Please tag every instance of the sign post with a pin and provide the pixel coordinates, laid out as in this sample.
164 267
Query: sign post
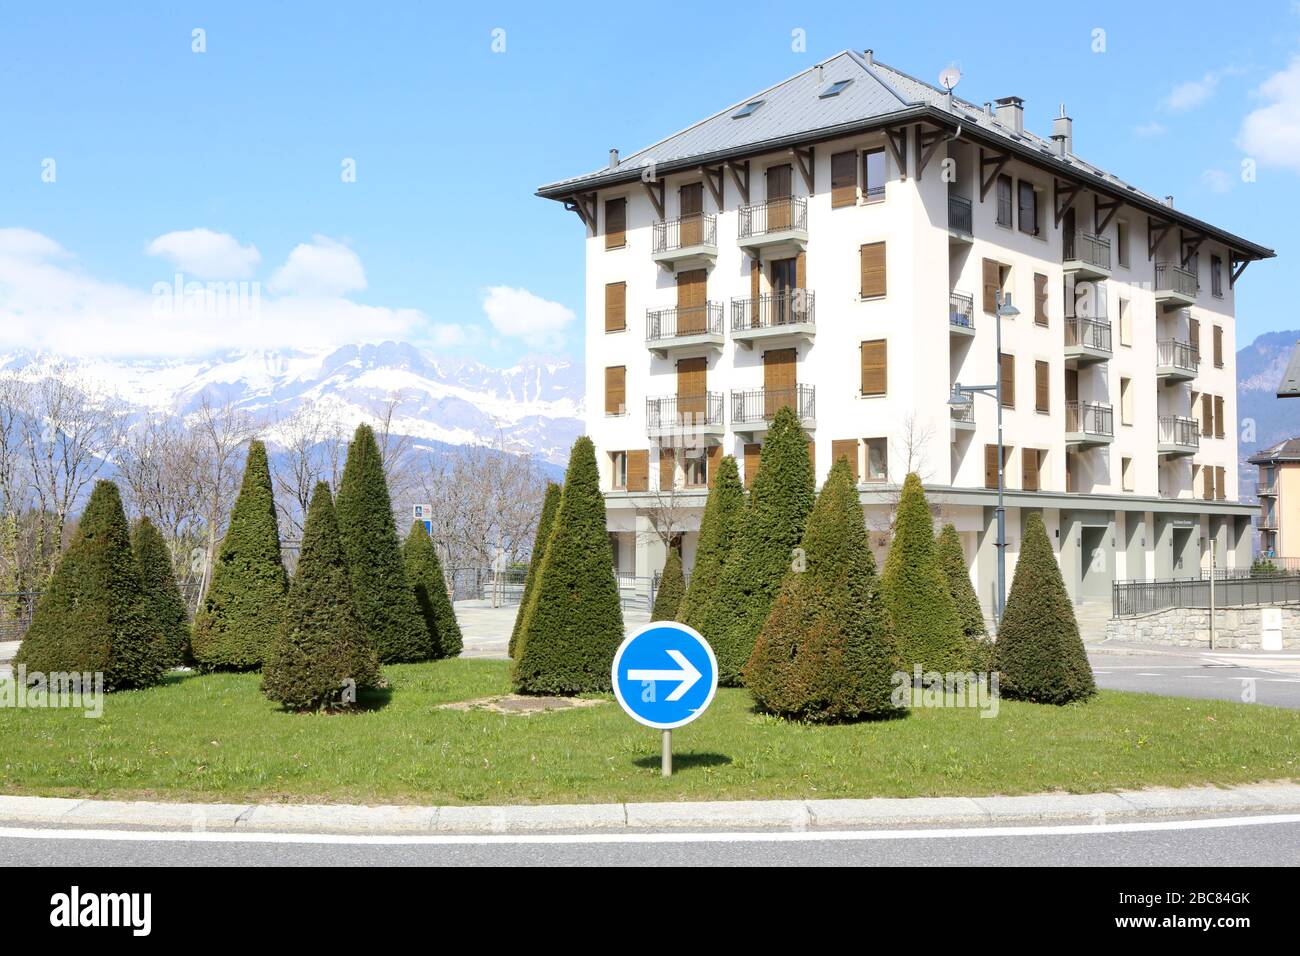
664 676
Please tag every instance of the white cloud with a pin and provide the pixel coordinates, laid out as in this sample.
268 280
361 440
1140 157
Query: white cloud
1189 95
1270 134
518 313
1216 180
205 254
322 267
1147 130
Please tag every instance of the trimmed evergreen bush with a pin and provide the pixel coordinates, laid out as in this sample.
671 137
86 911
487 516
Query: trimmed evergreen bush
920 606
424 571
240 615
322 644
825 652
1038 651
672 586
384 597
953 561
723 513
575 623
780 498
91 617
545 523
1264 568
162 597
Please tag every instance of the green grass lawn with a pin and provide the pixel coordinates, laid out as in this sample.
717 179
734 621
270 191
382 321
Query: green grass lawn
215 738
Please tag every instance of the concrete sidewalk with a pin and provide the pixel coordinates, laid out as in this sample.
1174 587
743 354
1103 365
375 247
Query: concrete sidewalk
789 815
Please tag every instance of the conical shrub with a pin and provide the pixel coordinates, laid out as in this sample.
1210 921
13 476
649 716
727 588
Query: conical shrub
780 498
383 595
545 524
424 571
672 586
723 513
1039 653
240 615
825 652
162 597
321 654
91 617
953 562
576 623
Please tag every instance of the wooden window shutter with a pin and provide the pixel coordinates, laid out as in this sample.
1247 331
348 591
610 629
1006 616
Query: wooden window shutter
875 367
1207 472
812 457
616 307
753 451
1042 387
1029 469
1207 415
1007 367
1194 333
1218 346
1218 416
755 290
801 271
1040 298
992 283
873 269
1220 489
991 466
846 448
616 390
844 179
667 468
638 470
714 458
615 223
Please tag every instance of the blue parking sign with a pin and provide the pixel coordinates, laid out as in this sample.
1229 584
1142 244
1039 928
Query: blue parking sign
665 674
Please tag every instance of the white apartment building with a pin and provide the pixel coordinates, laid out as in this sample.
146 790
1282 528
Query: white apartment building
835 243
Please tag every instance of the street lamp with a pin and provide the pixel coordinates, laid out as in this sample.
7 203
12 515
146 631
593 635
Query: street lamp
962 397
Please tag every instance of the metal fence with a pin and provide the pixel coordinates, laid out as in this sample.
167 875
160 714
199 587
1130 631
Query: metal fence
681 321
775 215
696 229
761 404
1086 248
959 214
506 588
1230 590
1174 278
791 307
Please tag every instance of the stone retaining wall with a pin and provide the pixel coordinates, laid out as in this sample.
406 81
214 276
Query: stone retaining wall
1190 627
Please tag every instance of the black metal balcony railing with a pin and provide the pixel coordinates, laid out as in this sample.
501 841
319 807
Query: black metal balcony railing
959 214
1089 333
1090 418
768 311
775 215
1088 249
662 324
1177 430
963 413
1170 353
683 411
693 230
1174 278
749 405
961 310
1269 490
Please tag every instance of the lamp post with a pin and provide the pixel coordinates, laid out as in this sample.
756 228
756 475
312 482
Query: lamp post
962 396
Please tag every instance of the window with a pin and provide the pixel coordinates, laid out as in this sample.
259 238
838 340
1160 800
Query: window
875 367
615 223
1031 466
996 278
1207 473
1207 416
618 459
1218 416
877 459
1007 365
1220 483
696 468
1125 324
1040 299
991 464
1042 387
1216 276
844 182
1218 346
873 270
1028 208
1004 201
1126 474
1194 334
1194 267
616 307
834 89
1126 401
873 173
616 390
747 110
1121 243
638 470
846 448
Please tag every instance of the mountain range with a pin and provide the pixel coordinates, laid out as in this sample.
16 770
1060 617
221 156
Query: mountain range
1259 411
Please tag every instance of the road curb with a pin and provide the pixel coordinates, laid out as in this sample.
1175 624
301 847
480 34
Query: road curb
789 815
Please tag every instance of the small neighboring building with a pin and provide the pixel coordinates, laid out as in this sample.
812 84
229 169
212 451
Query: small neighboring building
1279 498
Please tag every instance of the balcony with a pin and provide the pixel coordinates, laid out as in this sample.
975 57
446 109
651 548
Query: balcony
960 226
1176 287
1085 255
678 329
774 226
685 416
781 315
961 314
1087 341
1177 436
963 418
1176 361
1088 424
1267 491
686 242
1267 523
752 409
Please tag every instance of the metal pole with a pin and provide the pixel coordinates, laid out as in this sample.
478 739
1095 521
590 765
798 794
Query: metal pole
1212 575
1001 511
667 762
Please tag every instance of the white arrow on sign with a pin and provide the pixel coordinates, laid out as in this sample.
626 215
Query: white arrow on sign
688 675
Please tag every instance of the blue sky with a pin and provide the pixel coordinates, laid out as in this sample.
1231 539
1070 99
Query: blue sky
152 141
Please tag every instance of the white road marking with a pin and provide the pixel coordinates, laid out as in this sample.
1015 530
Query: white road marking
778 836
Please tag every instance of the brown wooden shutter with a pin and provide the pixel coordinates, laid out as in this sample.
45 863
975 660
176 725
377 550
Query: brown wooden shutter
1194 333
1008 371
801 271
992 283
1207 415
1029 465
692 303
875 367
755 290
667 468
844 179
615 223
753 451
1218 416
1040 298
846 448
779 380
991 466
873 269
616 307
692 386
1220 486
812 457
616 390
714 458
1218 346
1042 387
690 206
638 470
1207 474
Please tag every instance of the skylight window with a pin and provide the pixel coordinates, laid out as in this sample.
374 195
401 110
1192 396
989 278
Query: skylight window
747 110
835 89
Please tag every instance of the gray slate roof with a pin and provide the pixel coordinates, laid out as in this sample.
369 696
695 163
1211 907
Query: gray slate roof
1288 450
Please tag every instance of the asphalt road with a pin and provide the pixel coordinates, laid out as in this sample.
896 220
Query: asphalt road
1235 841
1271 678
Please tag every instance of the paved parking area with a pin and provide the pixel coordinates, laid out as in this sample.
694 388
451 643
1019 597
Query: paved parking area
1251 676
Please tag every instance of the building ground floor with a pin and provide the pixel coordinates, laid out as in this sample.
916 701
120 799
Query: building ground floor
1098 539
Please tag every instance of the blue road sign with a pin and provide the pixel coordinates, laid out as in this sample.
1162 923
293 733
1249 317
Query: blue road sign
665 674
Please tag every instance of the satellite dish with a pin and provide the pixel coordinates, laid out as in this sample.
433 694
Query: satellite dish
949 78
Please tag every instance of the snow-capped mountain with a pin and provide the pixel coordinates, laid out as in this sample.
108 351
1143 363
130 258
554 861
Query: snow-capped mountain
536 405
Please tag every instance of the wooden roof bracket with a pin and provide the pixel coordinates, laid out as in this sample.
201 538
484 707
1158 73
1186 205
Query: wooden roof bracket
897 139
1188 245
713 178
1110 206
1157 229
804 160
1064 193
742 185
584 204
927 144
1236 266
654 188
993 163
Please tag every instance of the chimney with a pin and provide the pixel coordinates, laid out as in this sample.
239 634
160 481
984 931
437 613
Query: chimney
1011 113
1063 133
613 159
988 109
869 56
817 74
1169 201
